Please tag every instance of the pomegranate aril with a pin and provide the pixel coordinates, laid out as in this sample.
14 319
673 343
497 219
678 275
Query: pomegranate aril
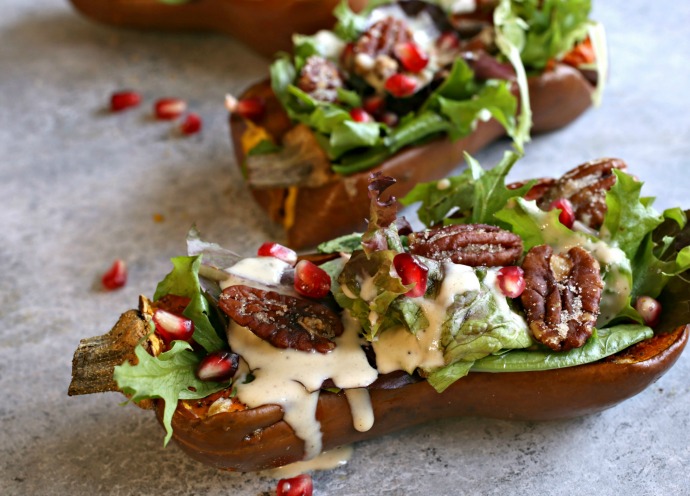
411 272
279 251
400 85
122 100
311 280
511 281
116 276
218 366
191 124
169 108
172 327
374 104
252 108
649 309
411 56
567 215
301 485
390 119
448 41
360 115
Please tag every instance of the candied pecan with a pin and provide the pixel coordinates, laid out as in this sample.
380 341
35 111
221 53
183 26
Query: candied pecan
382 37
469 244
284 321
562 295
537 190
585 186
320 78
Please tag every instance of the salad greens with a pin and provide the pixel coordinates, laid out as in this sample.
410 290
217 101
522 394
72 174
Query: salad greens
528 34
632 260
169 376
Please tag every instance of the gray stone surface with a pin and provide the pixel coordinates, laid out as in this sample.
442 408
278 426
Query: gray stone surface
80 187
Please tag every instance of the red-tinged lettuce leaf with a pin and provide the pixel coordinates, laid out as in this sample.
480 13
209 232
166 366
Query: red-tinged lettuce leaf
382 231
169 376
367 289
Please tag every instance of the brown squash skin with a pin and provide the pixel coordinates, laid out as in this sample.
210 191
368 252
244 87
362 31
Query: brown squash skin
258 438
341 206
264 25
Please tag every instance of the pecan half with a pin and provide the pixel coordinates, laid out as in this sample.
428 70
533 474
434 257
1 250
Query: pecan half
284 321
585 186
537 190
468 244
320 78
562 295
382 37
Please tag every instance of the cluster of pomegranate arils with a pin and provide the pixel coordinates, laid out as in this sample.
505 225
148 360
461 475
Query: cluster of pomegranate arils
400 85
217 366
167 109
310 279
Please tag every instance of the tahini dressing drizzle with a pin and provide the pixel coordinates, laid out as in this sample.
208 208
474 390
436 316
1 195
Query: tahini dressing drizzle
292 378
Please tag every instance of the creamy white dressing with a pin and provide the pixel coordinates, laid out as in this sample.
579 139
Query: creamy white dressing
327 460
292 378
328 44
458 6
259 272
360 408
399 349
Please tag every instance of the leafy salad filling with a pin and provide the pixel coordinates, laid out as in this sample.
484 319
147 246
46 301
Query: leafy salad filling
462 322
363 98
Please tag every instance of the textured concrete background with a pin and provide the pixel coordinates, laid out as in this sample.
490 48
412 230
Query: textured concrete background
80 187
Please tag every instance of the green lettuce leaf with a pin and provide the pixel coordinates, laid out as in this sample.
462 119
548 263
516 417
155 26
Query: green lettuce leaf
478 323
169 376
629 218
550 28
604 342
474 196
343 244
183 280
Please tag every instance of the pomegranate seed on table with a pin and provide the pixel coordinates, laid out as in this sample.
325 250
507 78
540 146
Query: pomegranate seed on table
411 56
218 366
301 485
251 108
122 100
279 251
649 309
511 281
400 85
191 124
169 108
567 215
374 104
116 276
411 272
311 280
172 327
360 115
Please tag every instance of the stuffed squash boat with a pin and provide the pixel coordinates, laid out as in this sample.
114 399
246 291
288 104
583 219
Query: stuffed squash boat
548 299
405 88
